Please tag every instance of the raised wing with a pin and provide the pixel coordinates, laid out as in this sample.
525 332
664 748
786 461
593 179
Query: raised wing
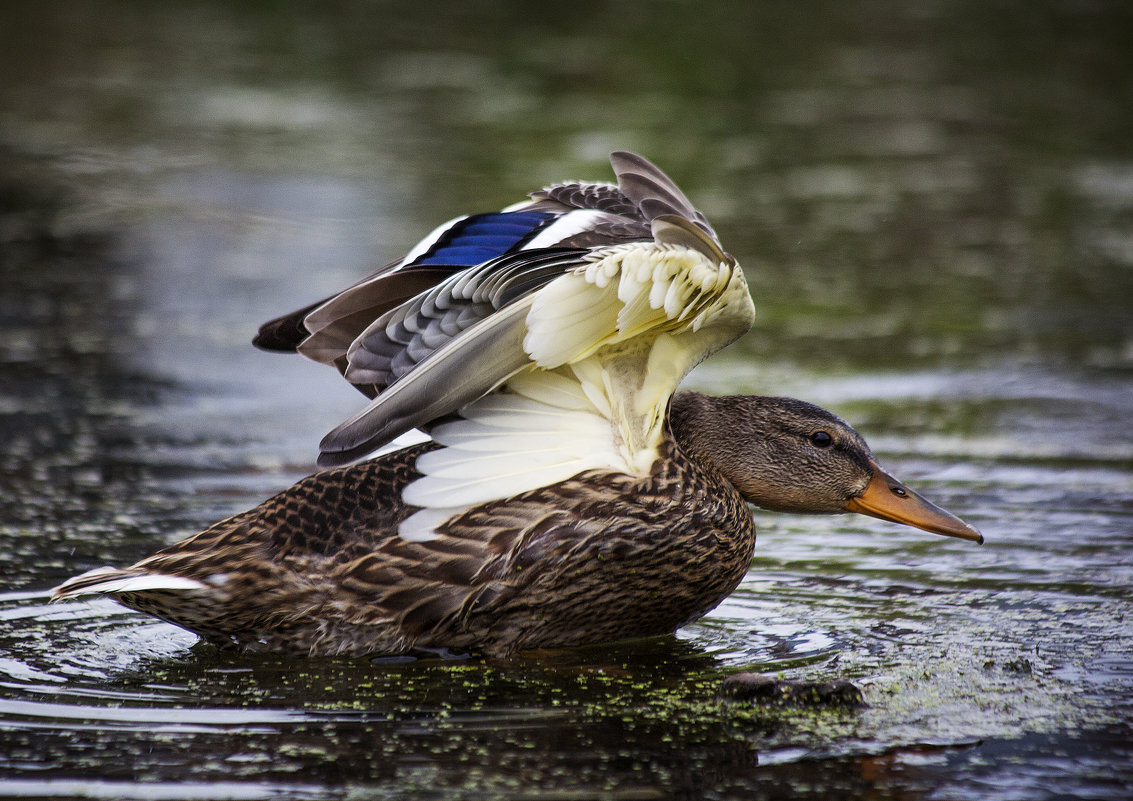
615 290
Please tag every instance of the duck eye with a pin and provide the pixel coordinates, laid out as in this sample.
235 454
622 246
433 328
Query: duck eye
820 439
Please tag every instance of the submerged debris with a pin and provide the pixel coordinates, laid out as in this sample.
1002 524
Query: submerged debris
757 688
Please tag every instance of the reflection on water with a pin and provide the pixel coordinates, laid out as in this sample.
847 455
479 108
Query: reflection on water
934 206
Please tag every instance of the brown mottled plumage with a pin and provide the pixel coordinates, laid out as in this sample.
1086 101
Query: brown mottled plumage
568 497
319 568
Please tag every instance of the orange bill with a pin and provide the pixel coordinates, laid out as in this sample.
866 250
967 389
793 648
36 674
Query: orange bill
889 499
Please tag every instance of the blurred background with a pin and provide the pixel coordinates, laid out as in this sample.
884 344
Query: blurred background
933 202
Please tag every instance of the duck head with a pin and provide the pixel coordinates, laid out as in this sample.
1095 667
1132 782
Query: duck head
788 455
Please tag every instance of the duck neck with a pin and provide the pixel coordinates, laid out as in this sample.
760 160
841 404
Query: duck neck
699 426
729 434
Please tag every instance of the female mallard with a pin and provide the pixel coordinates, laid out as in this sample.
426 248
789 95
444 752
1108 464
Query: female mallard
567 496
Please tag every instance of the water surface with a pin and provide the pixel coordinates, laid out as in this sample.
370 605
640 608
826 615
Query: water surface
934 206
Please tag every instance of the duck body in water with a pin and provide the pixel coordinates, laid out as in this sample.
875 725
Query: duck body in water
567 495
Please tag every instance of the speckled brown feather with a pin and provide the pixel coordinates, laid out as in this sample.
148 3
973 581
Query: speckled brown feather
319 568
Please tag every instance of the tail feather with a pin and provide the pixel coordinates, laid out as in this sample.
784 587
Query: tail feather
110 580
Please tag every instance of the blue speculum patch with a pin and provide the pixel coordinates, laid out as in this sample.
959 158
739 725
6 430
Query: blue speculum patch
476 239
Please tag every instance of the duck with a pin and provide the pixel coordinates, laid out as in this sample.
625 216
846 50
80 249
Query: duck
566 493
